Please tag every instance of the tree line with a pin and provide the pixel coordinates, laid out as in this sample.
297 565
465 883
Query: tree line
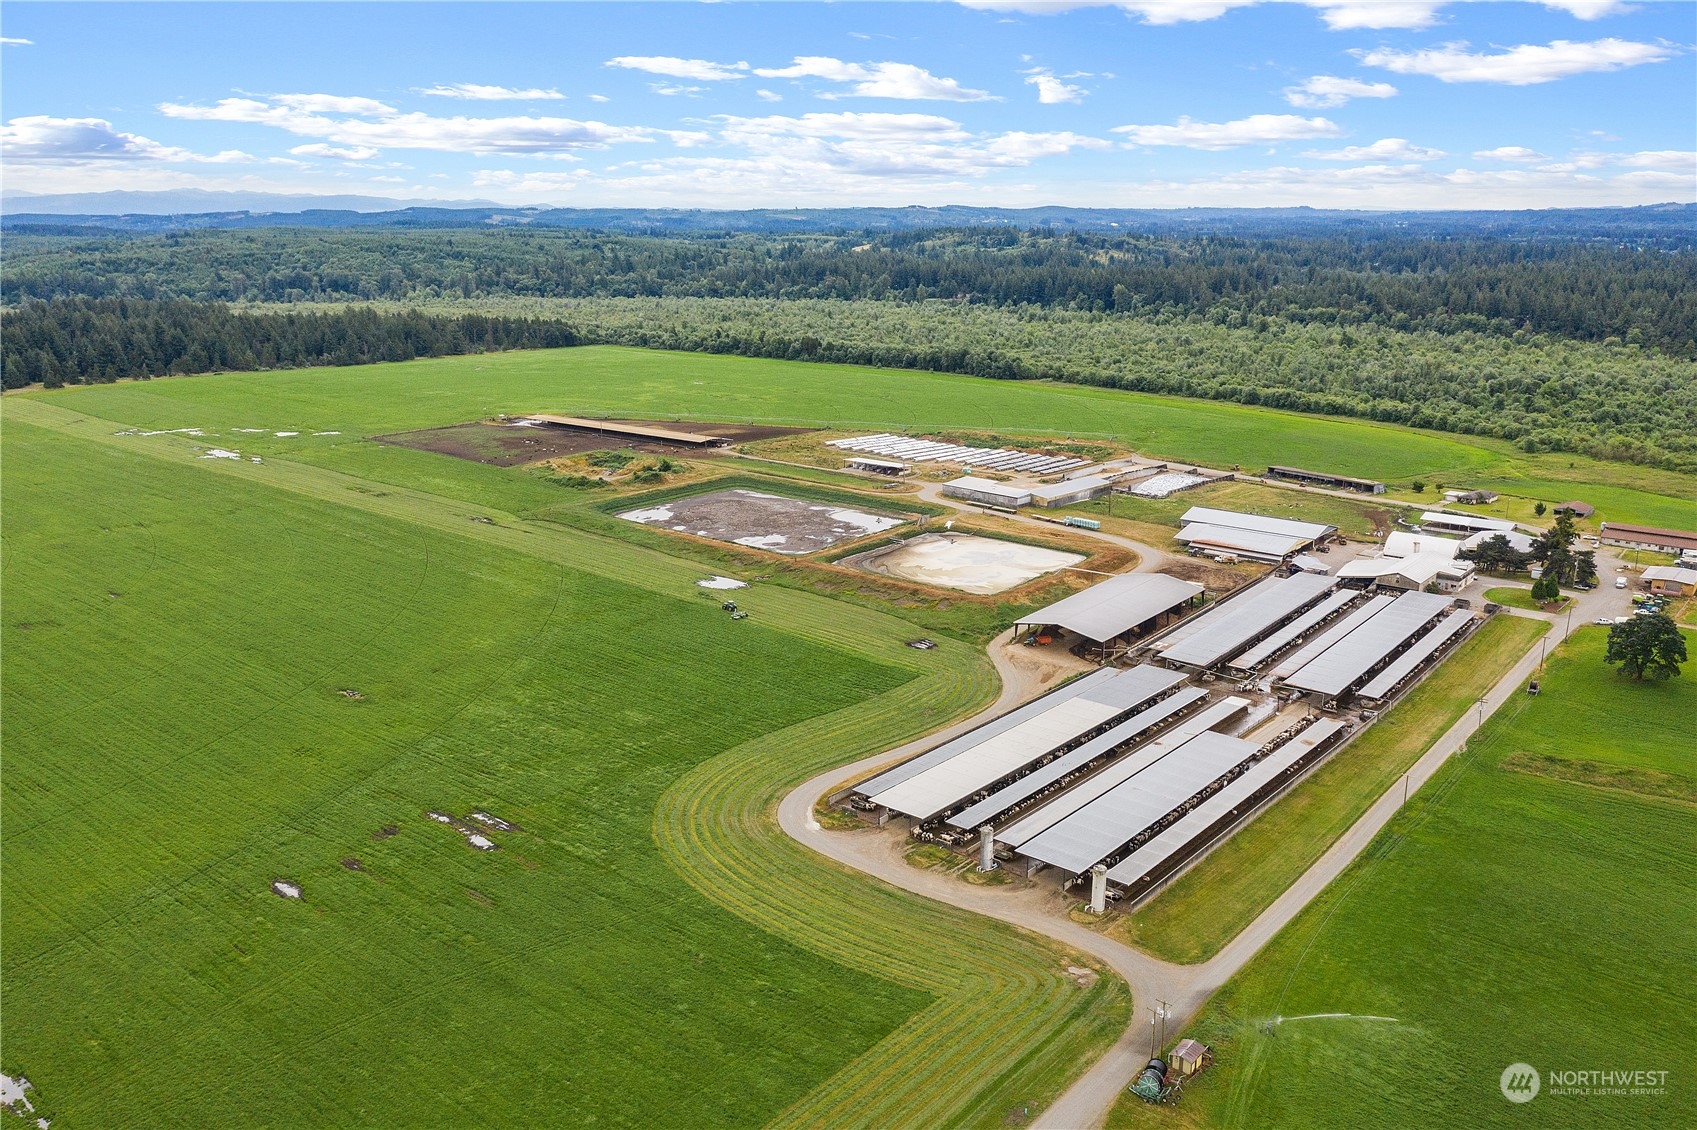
94 340
1635 292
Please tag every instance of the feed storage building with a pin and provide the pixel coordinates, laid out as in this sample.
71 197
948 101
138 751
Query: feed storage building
987 492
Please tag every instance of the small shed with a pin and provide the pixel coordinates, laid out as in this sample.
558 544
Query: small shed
1191 1056
1576 508
1671 580
876 466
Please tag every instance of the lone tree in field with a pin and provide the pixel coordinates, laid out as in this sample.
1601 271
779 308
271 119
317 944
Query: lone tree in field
1647 646
1538 508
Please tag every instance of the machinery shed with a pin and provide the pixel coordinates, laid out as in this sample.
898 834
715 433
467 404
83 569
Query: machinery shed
1114 607
1242 619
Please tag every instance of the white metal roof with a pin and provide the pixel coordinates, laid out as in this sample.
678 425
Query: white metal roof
1293 630
1242 619
1099 828
986 486
987 761
1067 487
1465 521
1197 821
1245 541
1448 628
1341 665
1033 783
1261 523
1401 543
1418 570
1674 573
1035 823
1116 605
1299 658
868 461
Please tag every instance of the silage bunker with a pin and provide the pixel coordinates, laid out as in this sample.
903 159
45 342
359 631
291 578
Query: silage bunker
965 562
791 526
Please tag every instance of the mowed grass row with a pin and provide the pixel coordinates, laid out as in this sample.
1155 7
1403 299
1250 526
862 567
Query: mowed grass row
1006 1032
1063 1023
1212 903
378 399
1504 917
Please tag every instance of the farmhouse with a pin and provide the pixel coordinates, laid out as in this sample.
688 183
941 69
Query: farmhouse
1252 536
987 492
1322 479
1648 537
1130 604
1671 580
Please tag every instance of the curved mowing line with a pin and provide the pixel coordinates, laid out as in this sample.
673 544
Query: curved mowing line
1008 1024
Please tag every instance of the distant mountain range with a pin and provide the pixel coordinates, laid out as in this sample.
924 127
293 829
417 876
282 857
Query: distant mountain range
143 212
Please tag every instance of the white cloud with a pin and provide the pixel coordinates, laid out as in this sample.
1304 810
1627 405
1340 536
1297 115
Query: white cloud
1662 159
1323 92
599 98
9 41
478 93
877 80
768 95
1351 15
41 139
365 123
1385 149
1518 66
1051 90
1589 9
335 152
676 89
1181 11
695 70
1515 153
1253 130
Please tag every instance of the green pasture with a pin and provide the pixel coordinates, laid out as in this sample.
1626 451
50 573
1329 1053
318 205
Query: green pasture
1212 902
376 399
1517 596
177 632
1504 917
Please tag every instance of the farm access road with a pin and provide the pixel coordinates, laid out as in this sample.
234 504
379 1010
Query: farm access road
1185 988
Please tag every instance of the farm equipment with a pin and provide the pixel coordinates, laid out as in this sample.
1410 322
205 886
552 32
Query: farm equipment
1151 1083
1081 523
739 615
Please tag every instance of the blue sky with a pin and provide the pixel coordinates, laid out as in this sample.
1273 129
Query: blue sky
1329 103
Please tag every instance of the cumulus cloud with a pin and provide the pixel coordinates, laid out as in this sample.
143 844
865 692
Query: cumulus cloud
877 80
1524 65
476 92
1051 90
695 70
768 95
335 152
10 41
367 124
1385 149
1324 92
1662 159
42 139
1254 130
1351 15
1516 153
1589 9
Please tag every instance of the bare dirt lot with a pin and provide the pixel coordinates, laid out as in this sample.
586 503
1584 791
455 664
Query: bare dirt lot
508 445
754 518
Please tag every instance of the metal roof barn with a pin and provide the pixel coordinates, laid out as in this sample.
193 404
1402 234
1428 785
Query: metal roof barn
1467 523
974 489
1244 618
1259 523
1115 606
1403 665
1171 841
1036 781
1292 631
1244 543
1035 823
1343 664
987 761
1118 816
1298 659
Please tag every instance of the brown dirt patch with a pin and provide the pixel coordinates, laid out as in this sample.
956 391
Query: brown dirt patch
385 832
1211 575
353 864
509 445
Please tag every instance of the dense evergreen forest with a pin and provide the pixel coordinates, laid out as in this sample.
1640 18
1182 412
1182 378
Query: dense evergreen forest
1581 290
89 341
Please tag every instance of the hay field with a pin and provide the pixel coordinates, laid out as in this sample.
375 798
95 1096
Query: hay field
1534 904
178 631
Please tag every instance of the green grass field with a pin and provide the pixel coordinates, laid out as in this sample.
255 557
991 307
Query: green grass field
371 400
177 631
1505 917
1516 596
1210 904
